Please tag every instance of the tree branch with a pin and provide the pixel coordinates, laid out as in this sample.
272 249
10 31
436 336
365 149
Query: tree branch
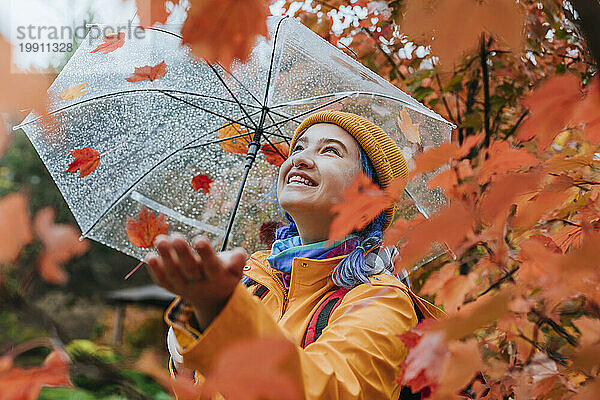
483 54
589 15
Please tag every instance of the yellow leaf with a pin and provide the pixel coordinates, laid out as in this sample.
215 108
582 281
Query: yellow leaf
409 130
74 91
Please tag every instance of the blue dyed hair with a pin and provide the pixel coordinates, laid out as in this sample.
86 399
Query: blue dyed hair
352 270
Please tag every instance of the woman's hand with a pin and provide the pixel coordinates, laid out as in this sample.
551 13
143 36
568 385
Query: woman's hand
198 274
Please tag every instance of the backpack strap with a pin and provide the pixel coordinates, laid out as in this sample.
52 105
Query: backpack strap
320 318
261 291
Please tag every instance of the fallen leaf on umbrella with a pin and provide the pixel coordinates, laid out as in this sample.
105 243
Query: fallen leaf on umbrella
409 130
61 243
74 91
26 384
86 161
238 145
201 181
111 43
275 153
148 73
224 30
142 231
15 229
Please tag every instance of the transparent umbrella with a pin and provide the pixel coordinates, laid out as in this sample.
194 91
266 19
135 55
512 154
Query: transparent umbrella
190 119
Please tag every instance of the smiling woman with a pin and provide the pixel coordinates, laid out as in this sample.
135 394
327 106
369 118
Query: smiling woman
338 306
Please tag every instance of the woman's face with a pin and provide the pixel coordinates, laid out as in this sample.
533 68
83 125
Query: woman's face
322 163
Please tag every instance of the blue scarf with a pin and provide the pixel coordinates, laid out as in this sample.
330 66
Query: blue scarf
285 250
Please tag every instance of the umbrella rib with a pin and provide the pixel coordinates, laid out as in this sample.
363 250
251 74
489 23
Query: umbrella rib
281 134
110 207
280 114
271 61
125 93
275 147
307 112
209 111
240 83
231 93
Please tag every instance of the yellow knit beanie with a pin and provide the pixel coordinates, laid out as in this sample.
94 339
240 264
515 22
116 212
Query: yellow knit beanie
385 155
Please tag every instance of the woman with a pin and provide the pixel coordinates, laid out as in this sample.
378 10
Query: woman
354 352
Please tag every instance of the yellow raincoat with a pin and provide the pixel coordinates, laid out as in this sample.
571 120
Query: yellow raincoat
358 353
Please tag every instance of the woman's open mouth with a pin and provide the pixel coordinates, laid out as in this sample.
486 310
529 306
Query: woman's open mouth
299 180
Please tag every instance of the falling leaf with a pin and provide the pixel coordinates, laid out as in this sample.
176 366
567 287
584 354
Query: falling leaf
61 243
276 154
408 129
236 375
15 229
20 90
26 384
224 30
422 21
152 11
74 91
111 43
148 73
363 201
4 139
434 158
142 231
201 181
86 161
238 145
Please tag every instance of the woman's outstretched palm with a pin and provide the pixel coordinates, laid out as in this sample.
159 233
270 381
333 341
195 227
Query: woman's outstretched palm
196 273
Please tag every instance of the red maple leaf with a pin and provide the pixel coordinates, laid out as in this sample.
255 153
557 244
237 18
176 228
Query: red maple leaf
201 181
26 384
86 161
148 73
276 153
111 43
143 231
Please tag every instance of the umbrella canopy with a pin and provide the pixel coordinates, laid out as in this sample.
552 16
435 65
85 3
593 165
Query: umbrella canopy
157 127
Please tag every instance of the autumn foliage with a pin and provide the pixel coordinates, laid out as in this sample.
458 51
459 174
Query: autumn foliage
520 280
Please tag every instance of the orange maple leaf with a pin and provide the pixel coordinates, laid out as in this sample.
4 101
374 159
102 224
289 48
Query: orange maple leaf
408 129
147 227
74 91
551 108
276 153
422 367
148 73
26 384
61 243
201 181
86 161
433 158
15 229
363 201
236 375
152 11
238 145
422 20
224 30
111 43
20 90
501 158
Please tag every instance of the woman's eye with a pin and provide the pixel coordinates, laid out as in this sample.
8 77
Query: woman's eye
297 147
332 149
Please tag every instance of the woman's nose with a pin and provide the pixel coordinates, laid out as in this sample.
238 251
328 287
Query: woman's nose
302 159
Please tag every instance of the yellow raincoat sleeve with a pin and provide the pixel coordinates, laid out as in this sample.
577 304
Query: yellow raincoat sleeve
357 355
